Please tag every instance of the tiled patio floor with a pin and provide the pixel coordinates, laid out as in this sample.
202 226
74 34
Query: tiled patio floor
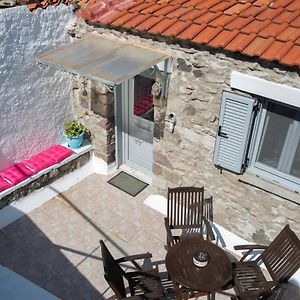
56 246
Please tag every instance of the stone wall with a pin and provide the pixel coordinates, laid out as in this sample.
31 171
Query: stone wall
185 157
94 105
45 179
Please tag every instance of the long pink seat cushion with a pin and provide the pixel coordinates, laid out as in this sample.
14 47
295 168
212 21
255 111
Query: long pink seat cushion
16 173
58 153
39 162
4 185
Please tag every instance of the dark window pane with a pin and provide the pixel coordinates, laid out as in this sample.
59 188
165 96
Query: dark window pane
143 98
278 120
295 170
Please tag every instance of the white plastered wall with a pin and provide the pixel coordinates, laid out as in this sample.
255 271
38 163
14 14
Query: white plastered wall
34 101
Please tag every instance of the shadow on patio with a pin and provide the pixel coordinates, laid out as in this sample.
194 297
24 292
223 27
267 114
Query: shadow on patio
56 246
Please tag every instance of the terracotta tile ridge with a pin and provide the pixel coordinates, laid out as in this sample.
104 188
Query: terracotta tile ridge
297 42
176 28
293 6
289 17
177 2
32 6
134 22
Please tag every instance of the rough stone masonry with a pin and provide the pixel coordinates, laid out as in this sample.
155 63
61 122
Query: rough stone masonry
184 157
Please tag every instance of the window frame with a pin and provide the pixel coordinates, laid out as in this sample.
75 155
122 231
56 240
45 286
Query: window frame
262 170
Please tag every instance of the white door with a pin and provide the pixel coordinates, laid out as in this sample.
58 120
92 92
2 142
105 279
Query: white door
139 120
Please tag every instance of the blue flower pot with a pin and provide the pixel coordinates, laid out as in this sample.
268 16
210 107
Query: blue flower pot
75 142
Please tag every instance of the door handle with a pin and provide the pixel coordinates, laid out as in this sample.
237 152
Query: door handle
142 127
222 134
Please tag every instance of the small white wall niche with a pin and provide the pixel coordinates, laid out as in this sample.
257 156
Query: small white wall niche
34 100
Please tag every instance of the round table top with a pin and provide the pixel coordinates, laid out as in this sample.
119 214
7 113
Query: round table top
213 277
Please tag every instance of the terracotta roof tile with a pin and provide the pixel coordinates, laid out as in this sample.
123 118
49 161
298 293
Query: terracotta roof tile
286 17
240 42
136 21
280 3
222 20
262 2
176 28
255 26
223 38
253 11
190 32
125 18
272 30
146 25
238 23
206 35
292 57
192 15
32 6
165 10
296 22
223 6
293 6
180 11
207 4
269 14
277 50
289 34
207 17
126 5
258 46
264 28
161 26
153 8
237 8
109 18
177 2
192 3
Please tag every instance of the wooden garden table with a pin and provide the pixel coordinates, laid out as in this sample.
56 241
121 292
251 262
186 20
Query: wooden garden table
190 279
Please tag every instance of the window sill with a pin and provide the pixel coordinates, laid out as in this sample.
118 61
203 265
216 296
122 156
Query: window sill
269 187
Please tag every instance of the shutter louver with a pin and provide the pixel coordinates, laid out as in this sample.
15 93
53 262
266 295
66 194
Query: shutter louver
233 131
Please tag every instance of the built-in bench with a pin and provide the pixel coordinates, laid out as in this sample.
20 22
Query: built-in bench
41 169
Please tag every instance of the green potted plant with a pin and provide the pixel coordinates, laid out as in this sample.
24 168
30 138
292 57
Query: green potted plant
74 132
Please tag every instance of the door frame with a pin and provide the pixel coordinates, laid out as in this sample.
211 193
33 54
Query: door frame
122 95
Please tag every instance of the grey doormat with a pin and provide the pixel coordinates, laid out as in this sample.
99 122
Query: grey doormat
128 183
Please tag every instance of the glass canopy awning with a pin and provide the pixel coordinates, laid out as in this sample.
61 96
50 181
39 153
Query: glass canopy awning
108 61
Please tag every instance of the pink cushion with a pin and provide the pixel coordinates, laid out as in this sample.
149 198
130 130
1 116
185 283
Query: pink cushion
58 153
4 185
39 162
14 174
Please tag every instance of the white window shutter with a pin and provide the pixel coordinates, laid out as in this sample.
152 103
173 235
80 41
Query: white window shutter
233 131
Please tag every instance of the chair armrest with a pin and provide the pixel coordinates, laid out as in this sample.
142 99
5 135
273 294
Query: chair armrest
209 231
250 249
266 285
133 258
170 238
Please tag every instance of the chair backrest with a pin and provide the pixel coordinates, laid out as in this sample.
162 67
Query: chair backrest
113 273
282 257
185 207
